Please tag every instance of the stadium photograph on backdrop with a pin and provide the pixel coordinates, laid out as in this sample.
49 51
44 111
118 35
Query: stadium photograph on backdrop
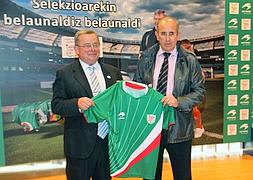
31 34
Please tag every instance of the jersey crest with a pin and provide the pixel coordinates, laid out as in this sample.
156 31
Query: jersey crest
151 118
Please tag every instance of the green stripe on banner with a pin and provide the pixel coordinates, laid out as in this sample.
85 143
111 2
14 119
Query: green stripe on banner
238 89
2 157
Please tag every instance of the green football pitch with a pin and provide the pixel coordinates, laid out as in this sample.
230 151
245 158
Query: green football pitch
47 143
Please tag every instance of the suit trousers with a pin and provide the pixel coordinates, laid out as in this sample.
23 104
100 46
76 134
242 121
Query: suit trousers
180 158
95 166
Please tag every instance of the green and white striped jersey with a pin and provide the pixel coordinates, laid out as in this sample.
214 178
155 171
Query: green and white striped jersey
136 117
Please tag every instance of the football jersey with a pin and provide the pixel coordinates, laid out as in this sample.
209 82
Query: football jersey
136 117
32 116
24 114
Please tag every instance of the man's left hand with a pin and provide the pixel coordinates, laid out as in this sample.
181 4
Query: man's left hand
170 100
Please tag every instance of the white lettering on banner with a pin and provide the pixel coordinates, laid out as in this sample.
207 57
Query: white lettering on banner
69 21
73 5
105 23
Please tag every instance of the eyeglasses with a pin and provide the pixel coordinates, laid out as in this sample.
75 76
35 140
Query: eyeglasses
89 45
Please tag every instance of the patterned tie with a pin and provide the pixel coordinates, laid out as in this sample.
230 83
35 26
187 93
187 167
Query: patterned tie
163 75
95 87
94 81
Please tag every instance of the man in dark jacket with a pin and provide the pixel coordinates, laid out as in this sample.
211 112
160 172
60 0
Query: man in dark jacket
149 38
176 73
86 152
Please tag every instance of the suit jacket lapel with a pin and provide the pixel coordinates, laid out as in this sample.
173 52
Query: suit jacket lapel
80 76
107 75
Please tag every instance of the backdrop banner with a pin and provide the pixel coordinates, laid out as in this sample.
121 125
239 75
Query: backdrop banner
36 39
238 92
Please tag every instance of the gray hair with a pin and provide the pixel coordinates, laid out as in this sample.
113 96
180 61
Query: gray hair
81 32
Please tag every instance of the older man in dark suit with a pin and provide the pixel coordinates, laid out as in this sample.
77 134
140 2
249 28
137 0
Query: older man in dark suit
86 152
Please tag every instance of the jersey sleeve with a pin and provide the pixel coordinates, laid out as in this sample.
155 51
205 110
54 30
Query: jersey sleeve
169 118
103 105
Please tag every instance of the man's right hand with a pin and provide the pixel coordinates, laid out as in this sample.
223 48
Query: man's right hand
84 103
